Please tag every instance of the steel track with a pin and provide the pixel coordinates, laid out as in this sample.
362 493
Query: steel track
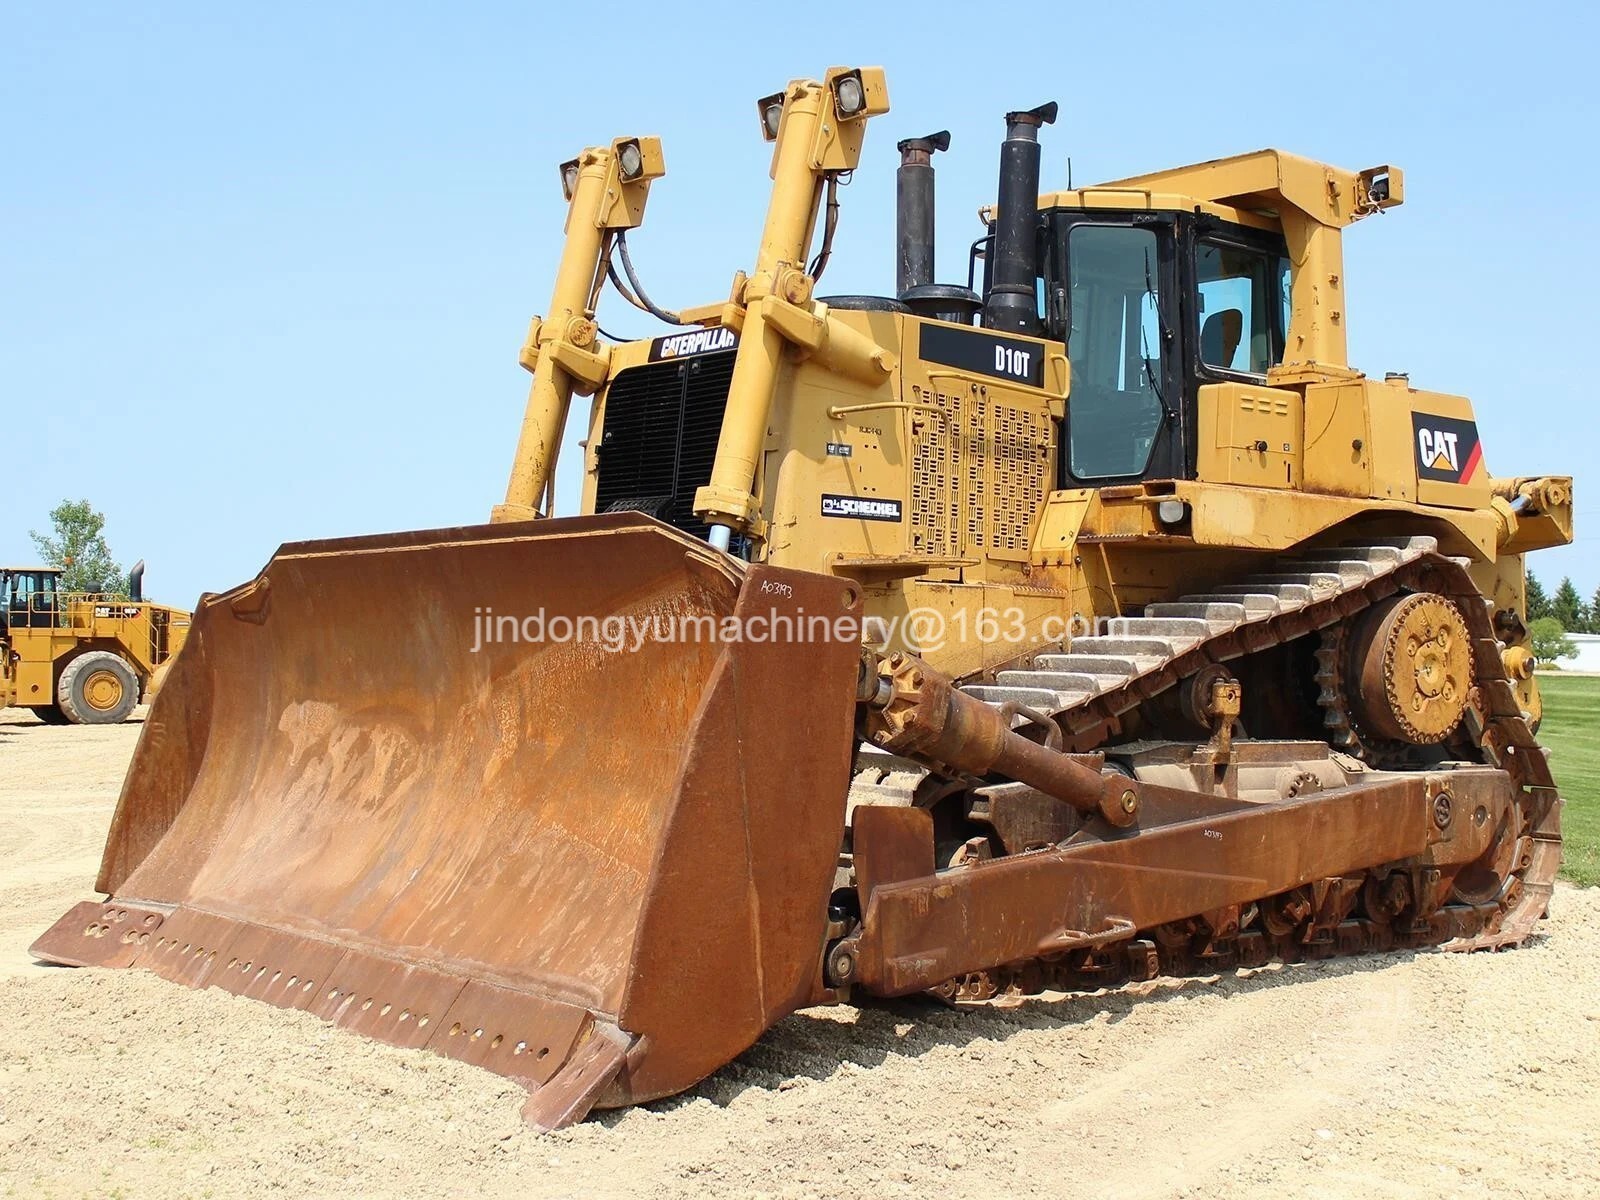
1089 688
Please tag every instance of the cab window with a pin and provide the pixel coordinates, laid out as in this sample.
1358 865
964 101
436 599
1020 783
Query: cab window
1115 348
32 601
1284 293
1240 303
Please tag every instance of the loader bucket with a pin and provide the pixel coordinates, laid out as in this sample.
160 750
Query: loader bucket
601 870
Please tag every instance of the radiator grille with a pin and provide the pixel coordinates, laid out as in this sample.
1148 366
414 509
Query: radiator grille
659 437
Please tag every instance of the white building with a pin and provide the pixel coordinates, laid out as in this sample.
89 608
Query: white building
1588 656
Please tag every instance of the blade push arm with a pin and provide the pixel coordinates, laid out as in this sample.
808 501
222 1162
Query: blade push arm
818 133
606 187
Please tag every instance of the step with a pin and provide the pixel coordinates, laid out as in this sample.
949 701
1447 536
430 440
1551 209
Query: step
1409 547
1178 630
989 693
1114 646
1349 570
1216 615
1254 604
1102 666
1321 584
1288 595
1380 556
876 758
1055 681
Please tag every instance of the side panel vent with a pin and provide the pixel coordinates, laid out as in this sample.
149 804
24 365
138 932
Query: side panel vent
936 475
1020 441
979 473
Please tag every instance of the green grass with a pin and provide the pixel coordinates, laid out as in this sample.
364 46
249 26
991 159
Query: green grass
1571 730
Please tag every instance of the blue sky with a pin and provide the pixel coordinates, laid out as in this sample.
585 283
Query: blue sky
266 268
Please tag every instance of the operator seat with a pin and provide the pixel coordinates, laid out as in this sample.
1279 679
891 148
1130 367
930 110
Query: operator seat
1219 338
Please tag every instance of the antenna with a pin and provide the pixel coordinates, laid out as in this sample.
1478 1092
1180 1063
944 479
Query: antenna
1069 172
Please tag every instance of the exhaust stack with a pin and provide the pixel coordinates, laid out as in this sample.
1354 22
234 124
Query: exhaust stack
1012 303
914 234
136 581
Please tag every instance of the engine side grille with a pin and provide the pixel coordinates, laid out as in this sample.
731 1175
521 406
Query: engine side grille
659 437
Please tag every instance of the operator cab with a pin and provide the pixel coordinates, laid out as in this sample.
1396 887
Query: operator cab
1152 306
1160 286
1165 284
28 597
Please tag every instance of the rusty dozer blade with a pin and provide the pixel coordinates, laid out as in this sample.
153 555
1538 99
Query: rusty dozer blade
373 788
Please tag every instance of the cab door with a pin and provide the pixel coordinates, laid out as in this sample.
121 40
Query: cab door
1113 282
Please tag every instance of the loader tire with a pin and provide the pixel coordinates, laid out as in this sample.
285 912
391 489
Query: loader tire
97 688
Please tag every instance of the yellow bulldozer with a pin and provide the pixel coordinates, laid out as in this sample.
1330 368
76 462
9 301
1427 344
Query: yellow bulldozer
84 658
1088 621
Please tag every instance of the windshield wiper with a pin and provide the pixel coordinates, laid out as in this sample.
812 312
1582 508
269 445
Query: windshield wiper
1161 327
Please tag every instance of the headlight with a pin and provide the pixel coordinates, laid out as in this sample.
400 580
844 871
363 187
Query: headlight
569 178
629 161
771 110
848 94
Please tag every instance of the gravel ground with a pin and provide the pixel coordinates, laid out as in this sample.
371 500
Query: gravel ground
1409 1076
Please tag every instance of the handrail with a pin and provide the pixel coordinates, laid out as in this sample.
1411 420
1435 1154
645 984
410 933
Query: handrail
842 410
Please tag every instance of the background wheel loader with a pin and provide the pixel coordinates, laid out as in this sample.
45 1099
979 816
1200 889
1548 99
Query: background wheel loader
80 657
1097 622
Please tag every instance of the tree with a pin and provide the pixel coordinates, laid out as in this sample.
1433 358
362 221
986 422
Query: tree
1538 602
1594 612
79 549
1566 606
1550 641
